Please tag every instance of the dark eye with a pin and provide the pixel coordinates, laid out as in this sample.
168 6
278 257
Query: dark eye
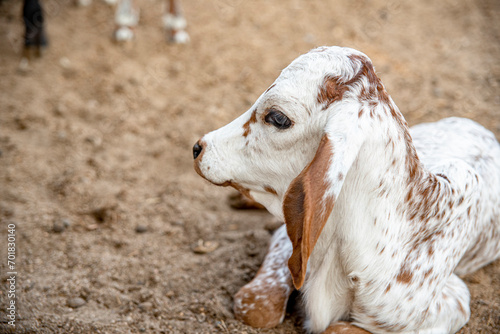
278 119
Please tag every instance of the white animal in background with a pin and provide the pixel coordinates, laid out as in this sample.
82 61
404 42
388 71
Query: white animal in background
175 24
379 219
127 18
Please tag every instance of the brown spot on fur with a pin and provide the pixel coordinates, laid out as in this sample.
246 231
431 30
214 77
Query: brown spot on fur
270 190
330 91
461 309
240 188
427 273
405 276
246 126
430 251
409 195
270 87
388 288
376 88
389 142
443 176
388 326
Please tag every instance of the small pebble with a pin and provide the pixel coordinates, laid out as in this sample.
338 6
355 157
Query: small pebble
65 62
76 302
141 229
94 140
437 92
92 227
62 135
252 250
66 222
201 317
178 223
60 109
24 65
146 306
203 247
58 227
119 243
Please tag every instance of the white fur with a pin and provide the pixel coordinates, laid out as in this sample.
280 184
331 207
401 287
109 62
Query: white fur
383 259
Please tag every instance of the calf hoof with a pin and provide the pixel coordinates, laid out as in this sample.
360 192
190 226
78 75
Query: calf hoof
260 307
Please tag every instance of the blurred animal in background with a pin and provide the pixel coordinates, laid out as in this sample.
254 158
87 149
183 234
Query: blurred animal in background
127 18
380 220
35 38
175 23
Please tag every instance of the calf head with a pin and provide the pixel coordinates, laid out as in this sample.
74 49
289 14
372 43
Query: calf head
292 150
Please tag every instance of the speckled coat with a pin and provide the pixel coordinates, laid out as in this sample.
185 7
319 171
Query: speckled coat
379 219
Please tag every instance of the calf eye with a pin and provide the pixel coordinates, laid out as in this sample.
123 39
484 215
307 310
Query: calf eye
278 119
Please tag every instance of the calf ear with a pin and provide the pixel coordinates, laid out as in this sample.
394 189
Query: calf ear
306 208
311 196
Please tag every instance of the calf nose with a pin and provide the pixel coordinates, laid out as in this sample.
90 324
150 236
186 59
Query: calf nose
197 148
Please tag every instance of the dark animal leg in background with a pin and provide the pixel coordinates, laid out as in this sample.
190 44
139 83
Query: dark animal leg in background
34 37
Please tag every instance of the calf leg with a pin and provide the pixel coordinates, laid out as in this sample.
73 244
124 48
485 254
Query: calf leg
450 311
447 312
262 302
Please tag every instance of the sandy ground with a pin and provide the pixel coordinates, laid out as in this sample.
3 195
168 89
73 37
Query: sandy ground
95 149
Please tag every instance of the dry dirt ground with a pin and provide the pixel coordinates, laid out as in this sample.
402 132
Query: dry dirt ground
95 148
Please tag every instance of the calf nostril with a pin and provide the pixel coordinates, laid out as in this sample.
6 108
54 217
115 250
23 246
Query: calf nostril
197 148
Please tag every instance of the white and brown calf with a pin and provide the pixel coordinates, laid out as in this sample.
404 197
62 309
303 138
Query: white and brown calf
379 220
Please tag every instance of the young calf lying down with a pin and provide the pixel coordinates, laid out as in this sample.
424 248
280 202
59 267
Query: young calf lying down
379 220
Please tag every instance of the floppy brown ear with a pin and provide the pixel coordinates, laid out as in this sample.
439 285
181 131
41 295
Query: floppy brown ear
306 208
311 196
